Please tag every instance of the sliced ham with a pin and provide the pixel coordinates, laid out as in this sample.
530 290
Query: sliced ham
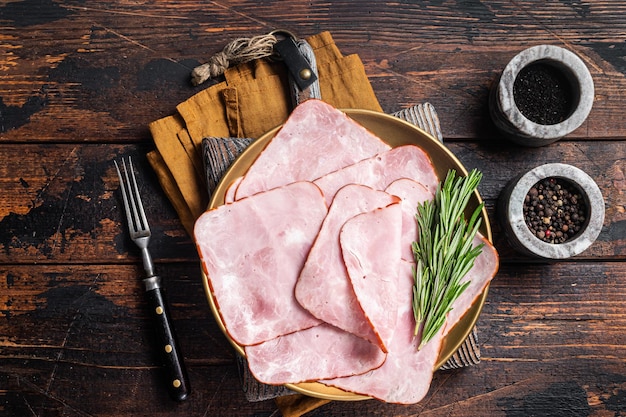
229 196
326 294
324 287
252 251
481 274
411 193
316 139
370 245
408 161
406 374
319 352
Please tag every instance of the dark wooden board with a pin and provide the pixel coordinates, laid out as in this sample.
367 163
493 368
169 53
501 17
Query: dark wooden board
101 73
550 334
81 81
62 202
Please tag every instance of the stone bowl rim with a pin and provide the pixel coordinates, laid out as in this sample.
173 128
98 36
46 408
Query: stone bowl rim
591 194
574 69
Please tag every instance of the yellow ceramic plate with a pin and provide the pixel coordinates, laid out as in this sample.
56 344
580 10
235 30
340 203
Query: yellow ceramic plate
395 132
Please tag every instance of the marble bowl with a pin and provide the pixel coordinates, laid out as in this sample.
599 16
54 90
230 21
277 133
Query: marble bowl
512 122
519 235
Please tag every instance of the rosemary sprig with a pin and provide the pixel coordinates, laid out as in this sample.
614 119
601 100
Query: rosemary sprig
444 252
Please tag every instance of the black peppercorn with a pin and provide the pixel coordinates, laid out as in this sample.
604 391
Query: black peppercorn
546 209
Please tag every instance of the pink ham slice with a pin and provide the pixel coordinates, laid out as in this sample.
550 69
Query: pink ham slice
252 252
320 352
411 193
370 245
323 287
405 376
229 196
316 139
485 268
408 161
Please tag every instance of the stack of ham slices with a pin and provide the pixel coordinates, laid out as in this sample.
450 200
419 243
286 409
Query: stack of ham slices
310 264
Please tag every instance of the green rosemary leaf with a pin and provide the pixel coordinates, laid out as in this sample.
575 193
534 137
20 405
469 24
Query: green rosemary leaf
444 252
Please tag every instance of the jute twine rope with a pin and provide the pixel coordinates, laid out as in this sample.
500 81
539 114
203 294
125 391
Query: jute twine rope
236 52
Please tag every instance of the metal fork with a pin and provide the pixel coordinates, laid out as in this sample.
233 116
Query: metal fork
135 214
140 234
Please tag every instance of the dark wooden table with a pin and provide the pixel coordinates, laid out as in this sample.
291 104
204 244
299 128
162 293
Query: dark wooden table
79 83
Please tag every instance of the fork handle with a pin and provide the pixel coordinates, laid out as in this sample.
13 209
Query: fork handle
178 381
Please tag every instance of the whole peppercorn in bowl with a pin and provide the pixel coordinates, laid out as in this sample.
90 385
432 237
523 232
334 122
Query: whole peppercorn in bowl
553 211
544 93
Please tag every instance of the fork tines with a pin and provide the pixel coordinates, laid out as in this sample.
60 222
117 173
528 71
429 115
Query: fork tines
137 222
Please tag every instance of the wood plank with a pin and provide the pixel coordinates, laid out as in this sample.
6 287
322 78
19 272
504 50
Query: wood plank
501 162
81 82
62 84
552 332
61 203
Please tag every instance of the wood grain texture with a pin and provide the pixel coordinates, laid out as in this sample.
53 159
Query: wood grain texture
62 204
543 329
79 83
96 63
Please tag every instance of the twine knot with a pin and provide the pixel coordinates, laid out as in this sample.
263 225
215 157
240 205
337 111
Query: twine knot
236 52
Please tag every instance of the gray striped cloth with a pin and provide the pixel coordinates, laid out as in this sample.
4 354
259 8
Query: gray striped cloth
219 154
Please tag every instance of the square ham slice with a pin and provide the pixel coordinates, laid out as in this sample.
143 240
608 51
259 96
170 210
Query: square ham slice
406 374
408 161
316 139
370 246
324 287
320 352
252 252
484 269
